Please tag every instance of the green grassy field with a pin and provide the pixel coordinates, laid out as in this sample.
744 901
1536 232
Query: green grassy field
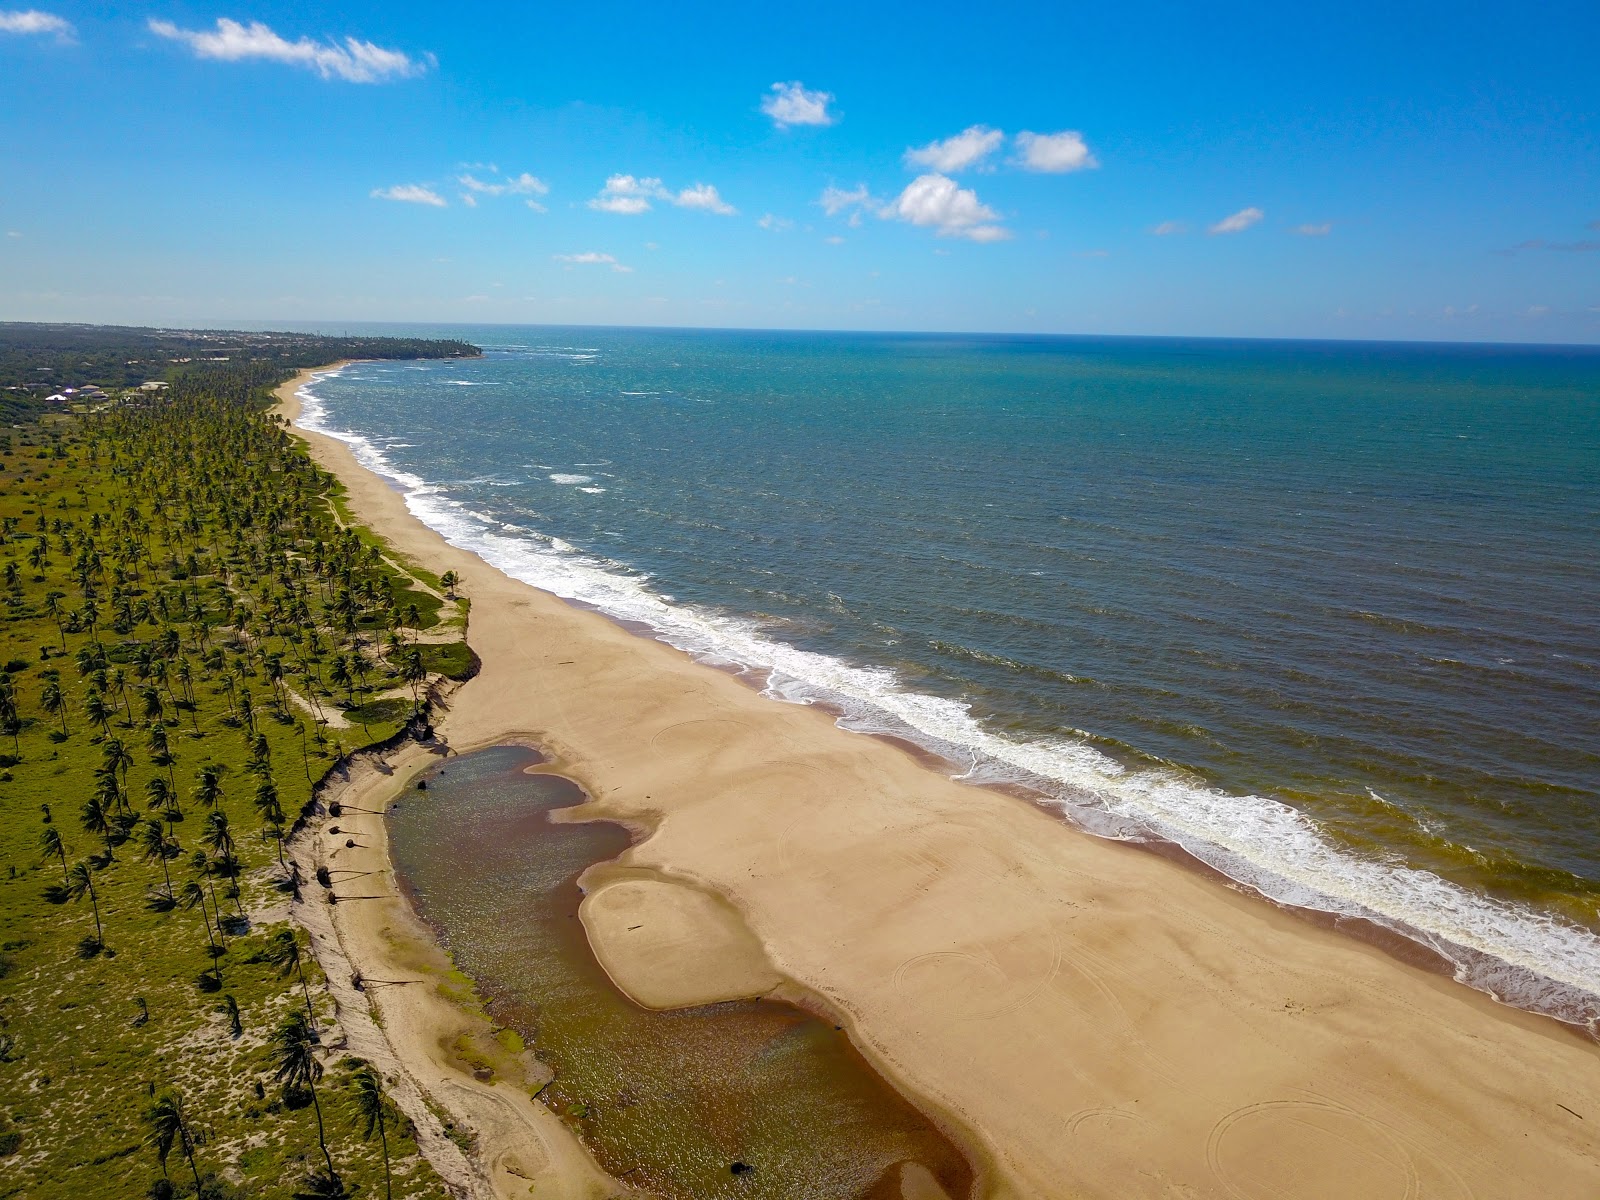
184 625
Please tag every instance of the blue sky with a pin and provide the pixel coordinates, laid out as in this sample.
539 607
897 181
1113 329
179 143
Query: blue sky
1427 171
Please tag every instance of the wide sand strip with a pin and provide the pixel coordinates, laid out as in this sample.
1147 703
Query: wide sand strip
1098 1021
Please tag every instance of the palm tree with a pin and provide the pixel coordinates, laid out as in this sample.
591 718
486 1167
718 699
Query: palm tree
193 896
98 712
168 1127
370 1107
295 1056
54 702
283 952
50 843
80 883
154 843
208 784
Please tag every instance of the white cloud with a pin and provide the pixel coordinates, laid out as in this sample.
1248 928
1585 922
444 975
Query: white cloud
13 233
775 224
794 104
520 185
469 200
703 196
591 258
835 200
354 61
626 195
1055 153
972 145
410 193
1322 230
32 21
536 206
937 202
629 196
1239 221
835 240
1169 228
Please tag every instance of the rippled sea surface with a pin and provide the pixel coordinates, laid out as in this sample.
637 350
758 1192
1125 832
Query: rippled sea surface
1328 615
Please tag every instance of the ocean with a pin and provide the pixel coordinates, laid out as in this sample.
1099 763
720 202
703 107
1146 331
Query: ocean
1325 615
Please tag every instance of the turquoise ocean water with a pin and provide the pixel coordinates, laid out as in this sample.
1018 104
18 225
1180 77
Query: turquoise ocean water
1325 614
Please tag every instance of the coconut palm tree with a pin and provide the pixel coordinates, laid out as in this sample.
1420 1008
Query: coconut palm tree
371 1107
283 952
154 843
192 895
80 883
50 843
54 702
296 1065
168 1127
208 784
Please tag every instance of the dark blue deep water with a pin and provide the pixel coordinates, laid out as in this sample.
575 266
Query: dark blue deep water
1326 614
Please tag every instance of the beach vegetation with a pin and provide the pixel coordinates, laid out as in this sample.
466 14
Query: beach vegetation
176 588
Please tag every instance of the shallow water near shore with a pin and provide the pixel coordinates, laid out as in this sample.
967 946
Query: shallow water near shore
666 1100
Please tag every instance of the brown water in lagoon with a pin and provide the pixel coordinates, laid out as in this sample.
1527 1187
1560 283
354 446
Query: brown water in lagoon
671 1099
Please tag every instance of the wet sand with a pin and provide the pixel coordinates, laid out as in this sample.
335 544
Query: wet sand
1098 1021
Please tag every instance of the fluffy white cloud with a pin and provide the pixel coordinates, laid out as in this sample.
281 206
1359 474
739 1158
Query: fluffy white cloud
353 60
794 104
703 196
591 258
938 202
626 195
1322 230
629 196
972 145
410 193
1169 228
1055 153
32 21
1239 221
775 224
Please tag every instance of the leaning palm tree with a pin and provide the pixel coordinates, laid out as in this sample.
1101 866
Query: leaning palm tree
371 1107
191 895
296 1065
208 784
80 883
283 952
50 843
168 1127
155 844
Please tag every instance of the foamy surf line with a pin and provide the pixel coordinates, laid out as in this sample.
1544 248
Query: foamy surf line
1517 955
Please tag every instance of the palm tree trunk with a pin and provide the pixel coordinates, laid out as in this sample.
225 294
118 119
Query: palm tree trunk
94 903
322 1139
383 1138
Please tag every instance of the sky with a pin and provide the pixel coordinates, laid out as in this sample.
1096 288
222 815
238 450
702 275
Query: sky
1421 171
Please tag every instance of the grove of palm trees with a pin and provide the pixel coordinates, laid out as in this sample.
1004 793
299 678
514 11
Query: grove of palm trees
190 639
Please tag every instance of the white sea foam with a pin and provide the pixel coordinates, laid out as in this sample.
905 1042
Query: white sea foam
1516 954
562 477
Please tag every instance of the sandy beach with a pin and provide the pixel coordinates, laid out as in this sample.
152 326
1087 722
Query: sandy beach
1088 1019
